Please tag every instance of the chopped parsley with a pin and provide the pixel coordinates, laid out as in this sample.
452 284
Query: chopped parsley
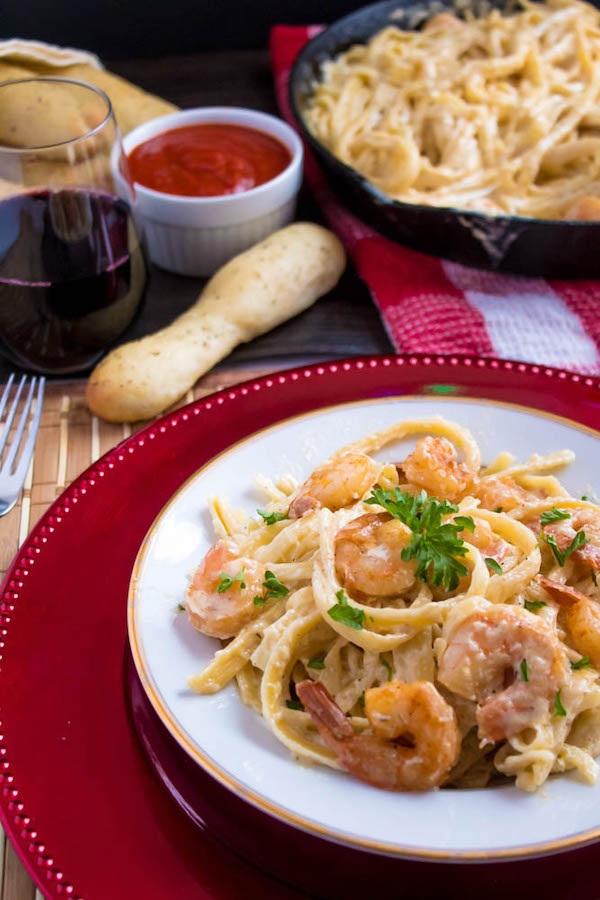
493 565
554 515
272 517
361 699
559 709
227 581
317 662
435 546
294 704
388 667
581 663
345 614
534 606
585 498
561 556
524 670
465 522
274 589
180 607
498 509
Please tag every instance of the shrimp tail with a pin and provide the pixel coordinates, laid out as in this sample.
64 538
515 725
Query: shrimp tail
564 595
323 709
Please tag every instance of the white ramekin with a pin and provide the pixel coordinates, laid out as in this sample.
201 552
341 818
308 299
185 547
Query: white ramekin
196 235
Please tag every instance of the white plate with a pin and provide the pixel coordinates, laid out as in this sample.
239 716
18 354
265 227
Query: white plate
234 744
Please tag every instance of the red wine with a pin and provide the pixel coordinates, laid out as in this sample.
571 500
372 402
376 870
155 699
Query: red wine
72 277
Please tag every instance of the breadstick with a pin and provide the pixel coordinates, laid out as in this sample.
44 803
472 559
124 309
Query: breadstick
257 290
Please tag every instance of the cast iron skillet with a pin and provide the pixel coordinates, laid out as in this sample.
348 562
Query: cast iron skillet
525 246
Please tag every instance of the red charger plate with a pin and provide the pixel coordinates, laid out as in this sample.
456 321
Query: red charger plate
82 806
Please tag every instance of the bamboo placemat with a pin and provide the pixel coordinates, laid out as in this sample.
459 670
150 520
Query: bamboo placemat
69 440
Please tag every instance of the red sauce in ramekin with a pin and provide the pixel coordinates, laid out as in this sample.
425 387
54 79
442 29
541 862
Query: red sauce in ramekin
208 160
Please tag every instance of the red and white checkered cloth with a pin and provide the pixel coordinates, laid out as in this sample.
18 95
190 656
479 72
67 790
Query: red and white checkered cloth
430 305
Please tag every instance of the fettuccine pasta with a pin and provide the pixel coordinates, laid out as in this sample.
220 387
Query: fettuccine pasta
418 623
498 114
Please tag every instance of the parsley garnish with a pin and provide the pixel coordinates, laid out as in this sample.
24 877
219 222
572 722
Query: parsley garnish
559 709
554 515
402 505
580 540
345 614
227 581
361 699
498 509
271 518
493 565
316 662
294 704
388 667
274 589
180 607
433 545
585 498
465 522
524 670
581 663
534 606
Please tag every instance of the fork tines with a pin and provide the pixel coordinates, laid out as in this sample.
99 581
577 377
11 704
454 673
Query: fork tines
15 465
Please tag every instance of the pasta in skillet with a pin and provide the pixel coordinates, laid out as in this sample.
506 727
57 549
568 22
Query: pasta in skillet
497 114
418 624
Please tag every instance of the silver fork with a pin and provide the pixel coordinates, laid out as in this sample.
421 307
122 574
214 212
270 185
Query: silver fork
13 470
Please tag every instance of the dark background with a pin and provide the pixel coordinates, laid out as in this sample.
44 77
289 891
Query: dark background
141 28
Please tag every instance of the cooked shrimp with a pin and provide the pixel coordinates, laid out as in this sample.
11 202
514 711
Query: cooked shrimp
581 614
368 556
502 491
492 545
442 20
433 466
586 209
335 484
413 742
587 520
483 662
217 614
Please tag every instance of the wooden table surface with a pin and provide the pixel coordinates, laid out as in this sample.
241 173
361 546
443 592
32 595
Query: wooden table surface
343 323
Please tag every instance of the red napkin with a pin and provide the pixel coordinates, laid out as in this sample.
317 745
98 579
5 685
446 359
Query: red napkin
430 305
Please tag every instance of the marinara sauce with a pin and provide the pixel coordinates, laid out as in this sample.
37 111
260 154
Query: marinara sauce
208 160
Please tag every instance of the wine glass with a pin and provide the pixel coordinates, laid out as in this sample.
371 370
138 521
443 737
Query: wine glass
72 267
